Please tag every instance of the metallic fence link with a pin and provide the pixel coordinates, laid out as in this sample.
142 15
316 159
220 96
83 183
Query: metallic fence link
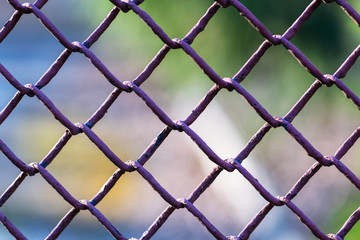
14 159
350 61
100 66
51 27
64 222
104 148
253 103
184 126
349 11
11 227
58 187
263 192
18 6
348 93
207 224
102 219
254 223
348 144
7 75
349 224
151 23
12 188
305 220
52 108
250 17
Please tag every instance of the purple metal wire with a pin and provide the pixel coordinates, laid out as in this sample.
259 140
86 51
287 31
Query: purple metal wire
134 87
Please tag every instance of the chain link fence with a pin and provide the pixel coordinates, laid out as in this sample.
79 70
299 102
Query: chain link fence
133 87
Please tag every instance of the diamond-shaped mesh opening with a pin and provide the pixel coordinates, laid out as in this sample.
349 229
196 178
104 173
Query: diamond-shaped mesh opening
277 153
322 196
33 138
127 206
226 59
277 17
221 137
237 111
133 49
128 198
334 122
130 133
279 86
181 171
233 199
27 211
73 26
71 87
326 43
126 55
166 87
28 45
169 12
65 167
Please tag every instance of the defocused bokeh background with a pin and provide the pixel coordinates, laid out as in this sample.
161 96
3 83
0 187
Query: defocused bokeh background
177 85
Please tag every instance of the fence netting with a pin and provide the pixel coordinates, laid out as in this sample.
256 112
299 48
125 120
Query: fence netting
227 84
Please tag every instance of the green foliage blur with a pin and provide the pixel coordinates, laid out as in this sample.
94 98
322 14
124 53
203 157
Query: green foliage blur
228 41
327 38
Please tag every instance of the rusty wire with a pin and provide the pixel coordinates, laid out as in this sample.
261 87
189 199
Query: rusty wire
229 84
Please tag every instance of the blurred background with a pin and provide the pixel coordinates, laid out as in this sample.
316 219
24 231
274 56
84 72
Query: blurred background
177 85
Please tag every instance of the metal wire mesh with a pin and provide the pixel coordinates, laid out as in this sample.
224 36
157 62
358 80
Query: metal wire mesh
183 126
